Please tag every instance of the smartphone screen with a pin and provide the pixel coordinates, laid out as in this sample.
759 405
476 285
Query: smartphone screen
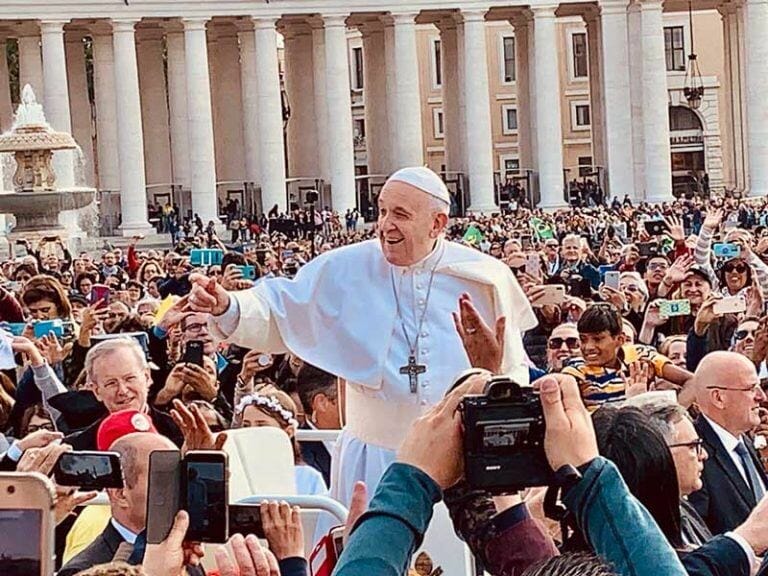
193 353
244 519
20 549
205 499
163 493
89 470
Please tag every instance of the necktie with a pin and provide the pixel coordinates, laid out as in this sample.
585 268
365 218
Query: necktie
749 466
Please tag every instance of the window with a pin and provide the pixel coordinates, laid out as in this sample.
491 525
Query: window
582 115
580 56
674 48
438 123
508 55
437 63
509 119
585 165
358 132
357 68
511 166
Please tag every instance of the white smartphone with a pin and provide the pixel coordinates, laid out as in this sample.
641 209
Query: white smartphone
553 295
27 525
730 305
611 279
533 265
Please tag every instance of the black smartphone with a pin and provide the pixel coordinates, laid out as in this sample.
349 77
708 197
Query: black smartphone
647 249
245 519
655 227
163 493
89 470
193 353
205 496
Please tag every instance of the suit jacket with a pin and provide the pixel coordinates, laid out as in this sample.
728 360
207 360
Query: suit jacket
315 454
100 551
86 439
726 499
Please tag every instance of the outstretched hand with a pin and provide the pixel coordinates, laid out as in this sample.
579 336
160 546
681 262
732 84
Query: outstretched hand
207 296
484 346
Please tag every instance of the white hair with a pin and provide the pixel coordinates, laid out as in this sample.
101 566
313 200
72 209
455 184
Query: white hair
438 206
110 347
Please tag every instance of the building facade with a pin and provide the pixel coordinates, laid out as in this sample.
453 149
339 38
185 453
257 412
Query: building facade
201 103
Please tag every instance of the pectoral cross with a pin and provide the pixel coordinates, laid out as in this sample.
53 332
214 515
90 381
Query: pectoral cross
413 369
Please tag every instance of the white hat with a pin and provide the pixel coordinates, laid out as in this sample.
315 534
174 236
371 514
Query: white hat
425 180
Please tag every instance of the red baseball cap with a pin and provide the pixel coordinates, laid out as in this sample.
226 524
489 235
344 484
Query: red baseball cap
120 424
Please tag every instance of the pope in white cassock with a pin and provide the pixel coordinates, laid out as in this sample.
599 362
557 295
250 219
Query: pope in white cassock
379 315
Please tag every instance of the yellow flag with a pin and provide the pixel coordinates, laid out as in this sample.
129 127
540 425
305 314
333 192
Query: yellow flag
165 305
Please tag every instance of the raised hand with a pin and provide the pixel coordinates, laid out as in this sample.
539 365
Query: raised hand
484 346
207 296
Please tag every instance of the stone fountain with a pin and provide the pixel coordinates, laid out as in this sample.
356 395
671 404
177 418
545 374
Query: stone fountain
35 200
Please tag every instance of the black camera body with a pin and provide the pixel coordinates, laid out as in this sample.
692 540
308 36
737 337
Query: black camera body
504 439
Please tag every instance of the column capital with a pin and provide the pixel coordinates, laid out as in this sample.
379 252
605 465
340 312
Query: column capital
198 24
402 18
472 15
547 11
446 24
369 27
336 20
264 22
652 4
521 19
124 25
52 26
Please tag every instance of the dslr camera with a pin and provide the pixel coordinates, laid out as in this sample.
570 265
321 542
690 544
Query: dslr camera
504 438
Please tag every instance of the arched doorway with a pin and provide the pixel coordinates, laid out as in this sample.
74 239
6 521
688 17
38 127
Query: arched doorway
687 147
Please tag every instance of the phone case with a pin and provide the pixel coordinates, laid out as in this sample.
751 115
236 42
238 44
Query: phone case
164 493
669 308
733 305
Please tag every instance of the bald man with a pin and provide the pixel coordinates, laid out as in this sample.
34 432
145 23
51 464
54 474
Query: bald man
728 393
128 504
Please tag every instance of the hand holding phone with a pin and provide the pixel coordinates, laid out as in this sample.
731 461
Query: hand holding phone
730 305
193 353
611 279
89 470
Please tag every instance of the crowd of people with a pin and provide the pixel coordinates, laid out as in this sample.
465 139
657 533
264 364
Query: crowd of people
648 351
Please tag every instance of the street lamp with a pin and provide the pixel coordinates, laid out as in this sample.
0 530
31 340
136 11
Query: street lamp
693 89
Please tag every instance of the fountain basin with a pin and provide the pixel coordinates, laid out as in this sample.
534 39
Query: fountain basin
39 211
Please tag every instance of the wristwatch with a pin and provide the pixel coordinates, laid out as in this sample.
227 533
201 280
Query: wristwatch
567 477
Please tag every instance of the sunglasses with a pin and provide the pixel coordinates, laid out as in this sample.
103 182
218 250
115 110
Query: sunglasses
741 334
697 445
557 343
517 270
738 268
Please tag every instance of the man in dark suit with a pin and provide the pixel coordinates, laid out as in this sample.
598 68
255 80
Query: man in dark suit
728 394
119 377
319 394
128 504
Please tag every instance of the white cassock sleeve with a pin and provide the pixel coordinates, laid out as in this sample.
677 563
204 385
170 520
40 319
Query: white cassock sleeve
262 334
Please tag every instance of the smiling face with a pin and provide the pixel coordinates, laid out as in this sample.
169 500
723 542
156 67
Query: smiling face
695 289
689 460
655 270
562 345
744 337
735 273
408 224
119 381
571 250
601 348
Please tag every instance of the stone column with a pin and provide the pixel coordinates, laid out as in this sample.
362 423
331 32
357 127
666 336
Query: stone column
6 107
596 95
531 55
177 106
80 105
249 89
375 94
549 133
449 46
300 89
200 121
106 111
658 162
757 88
31 64
523 84
389 61
154 111
130 137
341 154
321 107
733 137
616 90
635 45
270 116
228 104
56 95
409 147
478 119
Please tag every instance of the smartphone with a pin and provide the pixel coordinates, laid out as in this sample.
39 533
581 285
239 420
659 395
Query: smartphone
89 470
27 525
647 249
163 493
730 305
248 271
553 295
726 251
655 227
15 328
286 255
533 265
205 496
245 519
100 293
326 554
670 308
193 353
45 327
206 257
611 279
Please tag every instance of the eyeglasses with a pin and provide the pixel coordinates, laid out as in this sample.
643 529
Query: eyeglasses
557 343
697 445
49 427
517 269
753 388
658 266
741 334
631 288
196 328
738 268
